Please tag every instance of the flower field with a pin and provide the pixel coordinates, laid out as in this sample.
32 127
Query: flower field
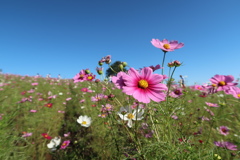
136 114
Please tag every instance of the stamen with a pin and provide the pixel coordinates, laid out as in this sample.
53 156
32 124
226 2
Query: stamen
130 116
166 46
221 83
143 84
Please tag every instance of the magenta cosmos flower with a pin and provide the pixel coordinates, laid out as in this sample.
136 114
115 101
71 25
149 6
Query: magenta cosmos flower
166 45
65 144
227 145
211 104
143 86
223 83
224 130
80 77
235 91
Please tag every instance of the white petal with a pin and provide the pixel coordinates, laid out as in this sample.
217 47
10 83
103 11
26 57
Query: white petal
50 145
129 123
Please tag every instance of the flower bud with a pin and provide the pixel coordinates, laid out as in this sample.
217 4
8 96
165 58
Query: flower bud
100 72
120 66
97 80
87 71
100 63
124 64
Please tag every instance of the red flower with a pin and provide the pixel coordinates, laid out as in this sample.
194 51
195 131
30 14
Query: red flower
49 105
45 135
200 141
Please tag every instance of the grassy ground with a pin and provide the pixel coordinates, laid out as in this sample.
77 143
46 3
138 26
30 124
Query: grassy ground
189 135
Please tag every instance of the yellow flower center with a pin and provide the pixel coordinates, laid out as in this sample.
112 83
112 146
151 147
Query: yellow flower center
84 122
143 84
238 95
81 75
214 85
90 77
166 46
221 83
64 144
130 116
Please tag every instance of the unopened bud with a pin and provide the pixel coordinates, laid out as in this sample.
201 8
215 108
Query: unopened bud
97 80
100 63
100 72
87 71
121 66
124 64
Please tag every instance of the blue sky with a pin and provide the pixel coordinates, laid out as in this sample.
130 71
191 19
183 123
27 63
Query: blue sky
65 36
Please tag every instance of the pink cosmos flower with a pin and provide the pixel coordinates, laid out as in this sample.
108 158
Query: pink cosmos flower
197 87
90 77
68 99
143 86
31 91
65 144
155 68
34 84
80 77
224 130
235 91
176 93
98 97
165 45
25 134
226 145
84 89
223 83
212 104
33 111
82 101
119 80
67 134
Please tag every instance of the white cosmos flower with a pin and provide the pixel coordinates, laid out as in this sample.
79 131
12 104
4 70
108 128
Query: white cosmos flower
130 115
54 143
85 121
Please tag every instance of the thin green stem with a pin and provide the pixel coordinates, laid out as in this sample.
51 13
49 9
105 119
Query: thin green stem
112 68
163 61
169 82
154 126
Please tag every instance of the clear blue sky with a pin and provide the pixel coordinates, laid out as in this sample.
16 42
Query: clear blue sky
65 36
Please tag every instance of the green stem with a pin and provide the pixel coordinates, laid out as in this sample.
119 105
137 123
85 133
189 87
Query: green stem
169 83
112 68
154 126
163 61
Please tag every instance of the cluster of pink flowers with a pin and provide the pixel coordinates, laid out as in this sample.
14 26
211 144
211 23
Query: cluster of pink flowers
26 99
106 60
106 110
84 75
146 131
98 97
143 86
